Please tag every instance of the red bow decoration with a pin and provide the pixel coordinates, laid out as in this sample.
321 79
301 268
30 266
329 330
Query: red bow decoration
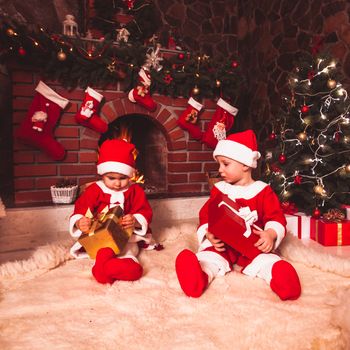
289 208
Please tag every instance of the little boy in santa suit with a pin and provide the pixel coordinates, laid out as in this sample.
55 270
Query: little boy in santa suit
116 165
237 156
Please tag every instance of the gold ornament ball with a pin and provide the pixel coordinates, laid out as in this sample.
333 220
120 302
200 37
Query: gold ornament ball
302 136
61 56
195 90
331 83
319 190
10 32
347 168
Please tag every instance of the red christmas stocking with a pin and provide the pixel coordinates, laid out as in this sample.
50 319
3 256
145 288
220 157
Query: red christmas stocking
123 269
87 114
193 280
37 127
140 94
220 123
189 117
285 281
102 256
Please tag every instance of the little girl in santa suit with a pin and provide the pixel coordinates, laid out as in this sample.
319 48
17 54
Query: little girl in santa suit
237 156
116 165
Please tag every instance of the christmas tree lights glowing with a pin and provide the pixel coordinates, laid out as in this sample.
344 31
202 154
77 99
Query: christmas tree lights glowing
308 158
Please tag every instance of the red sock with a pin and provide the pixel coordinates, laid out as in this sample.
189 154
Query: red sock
220 123
87 114
285 281
189 118
102 256
123 269
192 279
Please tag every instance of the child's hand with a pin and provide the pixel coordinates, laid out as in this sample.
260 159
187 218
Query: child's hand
266 241
128 221
84 224
217 243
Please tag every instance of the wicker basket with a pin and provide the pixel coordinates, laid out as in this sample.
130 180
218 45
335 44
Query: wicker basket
62 195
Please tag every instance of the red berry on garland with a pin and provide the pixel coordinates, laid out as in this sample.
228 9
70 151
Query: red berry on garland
297 179
316 213
234 64
305 109
22 51
181 56
272 136
282 158
310 74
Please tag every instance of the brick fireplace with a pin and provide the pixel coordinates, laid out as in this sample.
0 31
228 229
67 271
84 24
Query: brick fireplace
174 165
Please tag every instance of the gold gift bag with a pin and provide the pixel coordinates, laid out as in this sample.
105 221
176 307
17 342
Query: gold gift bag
106 231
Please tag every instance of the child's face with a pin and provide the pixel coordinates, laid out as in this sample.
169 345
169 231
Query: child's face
231 171
115 181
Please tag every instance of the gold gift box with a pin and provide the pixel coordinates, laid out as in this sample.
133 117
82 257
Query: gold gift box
106 231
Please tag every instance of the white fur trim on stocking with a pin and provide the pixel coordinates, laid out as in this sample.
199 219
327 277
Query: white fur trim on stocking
145 76
227 107
192 102
261 266
131 96
51 95
93 93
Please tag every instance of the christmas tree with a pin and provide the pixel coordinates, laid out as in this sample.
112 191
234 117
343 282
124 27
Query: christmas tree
307 159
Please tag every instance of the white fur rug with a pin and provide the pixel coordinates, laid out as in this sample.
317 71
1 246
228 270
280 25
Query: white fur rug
53 302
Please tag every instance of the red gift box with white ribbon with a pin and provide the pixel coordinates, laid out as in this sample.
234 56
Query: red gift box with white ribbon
226 223
298 224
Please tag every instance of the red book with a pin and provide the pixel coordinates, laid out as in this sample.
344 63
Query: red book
225 223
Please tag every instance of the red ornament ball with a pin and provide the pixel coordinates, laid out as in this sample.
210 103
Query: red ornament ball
305 109
181 56
22 51
297 179
234 64
272 136
282 158
316 213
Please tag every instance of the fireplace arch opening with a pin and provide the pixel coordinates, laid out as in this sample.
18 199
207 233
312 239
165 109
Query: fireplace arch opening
150 142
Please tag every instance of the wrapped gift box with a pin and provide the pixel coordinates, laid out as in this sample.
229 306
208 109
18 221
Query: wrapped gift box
225 224
330 233
347 211
299 225
106 231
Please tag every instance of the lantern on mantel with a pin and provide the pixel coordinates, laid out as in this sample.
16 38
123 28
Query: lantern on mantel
70 27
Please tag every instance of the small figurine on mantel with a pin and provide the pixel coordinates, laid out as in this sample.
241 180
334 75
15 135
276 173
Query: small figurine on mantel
113 206
70 27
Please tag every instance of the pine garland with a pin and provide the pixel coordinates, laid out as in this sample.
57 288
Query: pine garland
81 62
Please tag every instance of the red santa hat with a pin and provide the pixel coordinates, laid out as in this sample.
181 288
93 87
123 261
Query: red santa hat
241 146
116 156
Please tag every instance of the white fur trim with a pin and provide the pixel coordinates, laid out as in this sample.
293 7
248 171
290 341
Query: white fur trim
73 230
144 225
74 251
245 192
115 167
261 266
143 75
201 232
227 107
93 93
195 104
214 258
131 96
237 151
117 197
51 95
278 228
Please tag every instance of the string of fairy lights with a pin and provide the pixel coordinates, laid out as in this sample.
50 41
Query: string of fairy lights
308 145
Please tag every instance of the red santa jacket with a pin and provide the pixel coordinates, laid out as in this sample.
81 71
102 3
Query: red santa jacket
97 197
258 196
